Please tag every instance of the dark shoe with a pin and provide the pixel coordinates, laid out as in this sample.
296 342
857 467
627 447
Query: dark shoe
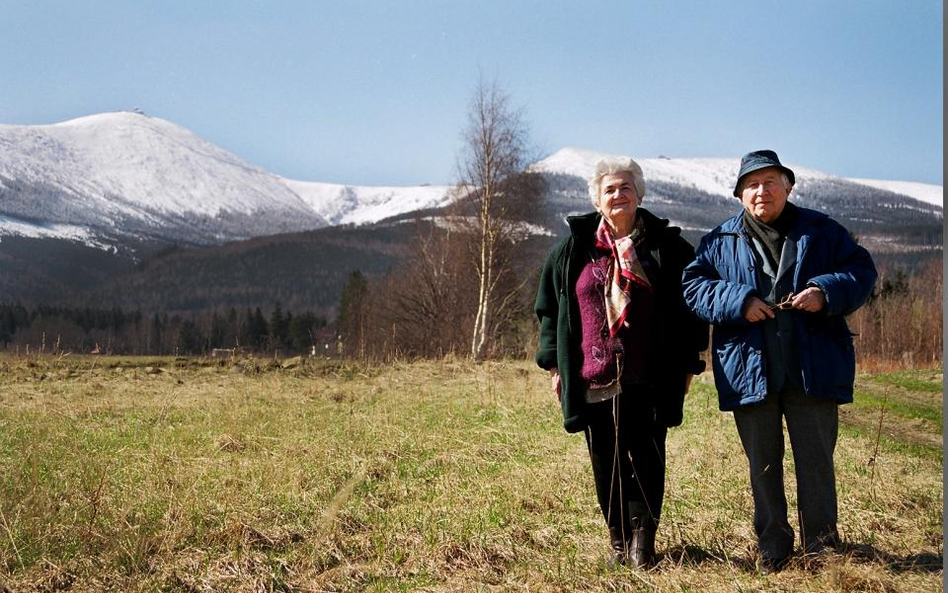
619 554
770 565
642 548
829 540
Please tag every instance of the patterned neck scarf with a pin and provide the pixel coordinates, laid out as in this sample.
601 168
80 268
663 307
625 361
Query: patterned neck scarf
625 271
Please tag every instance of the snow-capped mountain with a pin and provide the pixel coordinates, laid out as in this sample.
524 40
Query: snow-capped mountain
716 176
126 174
696 194
102 179
73 194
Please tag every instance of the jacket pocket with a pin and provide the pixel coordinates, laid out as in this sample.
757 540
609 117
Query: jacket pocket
832 362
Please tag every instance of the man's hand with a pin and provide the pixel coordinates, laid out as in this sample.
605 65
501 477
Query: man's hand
555 378
757 310
812 299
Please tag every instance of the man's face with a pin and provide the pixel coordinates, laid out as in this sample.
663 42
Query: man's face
764 194
617 198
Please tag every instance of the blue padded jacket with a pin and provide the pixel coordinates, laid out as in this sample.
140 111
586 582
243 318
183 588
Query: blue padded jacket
723 276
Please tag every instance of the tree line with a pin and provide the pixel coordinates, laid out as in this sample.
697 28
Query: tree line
427 310
901 325
114 331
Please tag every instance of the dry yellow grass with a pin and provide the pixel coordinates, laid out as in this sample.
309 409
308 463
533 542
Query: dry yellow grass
144 475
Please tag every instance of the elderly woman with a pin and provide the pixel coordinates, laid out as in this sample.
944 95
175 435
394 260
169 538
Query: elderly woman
621 348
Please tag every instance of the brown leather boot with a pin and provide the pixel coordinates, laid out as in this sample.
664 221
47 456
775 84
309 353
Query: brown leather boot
642 548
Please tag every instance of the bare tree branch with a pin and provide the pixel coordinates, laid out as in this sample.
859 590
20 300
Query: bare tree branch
494 152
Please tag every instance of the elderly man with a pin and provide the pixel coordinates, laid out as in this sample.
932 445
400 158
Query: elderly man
776 282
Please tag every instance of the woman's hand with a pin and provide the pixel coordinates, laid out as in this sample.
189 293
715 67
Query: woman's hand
555 378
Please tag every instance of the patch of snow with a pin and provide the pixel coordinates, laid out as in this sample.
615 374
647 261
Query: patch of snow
10 226
466 223
923 192
348 204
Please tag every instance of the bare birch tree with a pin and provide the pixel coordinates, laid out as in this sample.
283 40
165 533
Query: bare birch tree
494 151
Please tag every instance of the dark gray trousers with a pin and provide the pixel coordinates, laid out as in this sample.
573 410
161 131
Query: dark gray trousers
812 424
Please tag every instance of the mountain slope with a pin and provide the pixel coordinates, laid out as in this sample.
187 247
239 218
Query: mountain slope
923 192
350 204
128 210
113 180
696 194
716 176
127 174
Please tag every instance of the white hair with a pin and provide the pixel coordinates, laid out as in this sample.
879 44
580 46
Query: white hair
611 166
786 181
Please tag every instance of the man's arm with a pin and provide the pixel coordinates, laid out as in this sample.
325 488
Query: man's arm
850 284
713 299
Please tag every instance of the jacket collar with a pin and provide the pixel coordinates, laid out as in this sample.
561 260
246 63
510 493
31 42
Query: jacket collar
805 217
583 227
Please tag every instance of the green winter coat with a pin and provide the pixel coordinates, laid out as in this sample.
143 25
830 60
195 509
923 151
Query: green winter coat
680 336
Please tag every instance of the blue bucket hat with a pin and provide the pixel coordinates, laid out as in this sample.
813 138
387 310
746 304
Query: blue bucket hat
759 159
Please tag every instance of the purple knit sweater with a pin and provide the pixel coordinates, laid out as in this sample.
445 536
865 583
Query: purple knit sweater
600 350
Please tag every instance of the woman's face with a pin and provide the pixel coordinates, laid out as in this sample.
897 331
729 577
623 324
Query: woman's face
617 199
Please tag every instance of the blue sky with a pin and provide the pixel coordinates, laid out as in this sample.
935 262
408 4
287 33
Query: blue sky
375 93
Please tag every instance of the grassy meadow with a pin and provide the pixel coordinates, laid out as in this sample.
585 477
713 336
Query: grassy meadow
136 474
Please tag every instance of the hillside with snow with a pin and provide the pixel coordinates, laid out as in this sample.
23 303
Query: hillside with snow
923 192
107 179
127 174
716 176
696 194
350 204
126 210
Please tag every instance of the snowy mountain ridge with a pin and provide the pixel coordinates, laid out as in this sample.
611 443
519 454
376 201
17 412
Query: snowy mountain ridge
351 204
714 175
125 174
128 174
